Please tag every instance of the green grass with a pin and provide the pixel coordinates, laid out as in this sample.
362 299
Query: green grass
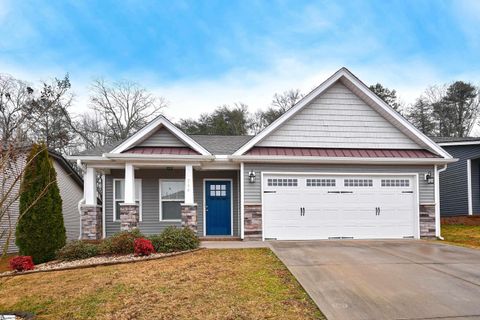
207 284
468 236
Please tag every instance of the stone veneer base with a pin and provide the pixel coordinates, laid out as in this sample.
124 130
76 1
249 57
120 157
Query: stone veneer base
91 222
253 221
427 221
189 217
129 216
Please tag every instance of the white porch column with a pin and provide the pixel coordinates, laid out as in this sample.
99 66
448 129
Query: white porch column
189 184
90 186
129 184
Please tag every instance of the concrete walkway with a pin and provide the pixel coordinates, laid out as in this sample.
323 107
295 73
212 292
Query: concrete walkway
233 244
408 279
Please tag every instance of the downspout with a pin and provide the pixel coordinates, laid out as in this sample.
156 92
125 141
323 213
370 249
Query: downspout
437 201
81 202
242 207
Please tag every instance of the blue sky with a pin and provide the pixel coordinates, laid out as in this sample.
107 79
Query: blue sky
201 54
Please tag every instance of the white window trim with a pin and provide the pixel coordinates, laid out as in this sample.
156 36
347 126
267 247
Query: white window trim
140 215
160 217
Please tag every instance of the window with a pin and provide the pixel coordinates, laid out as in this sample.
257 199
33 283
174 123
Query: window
321 183
172 195
282 182
395 183
358 183
119 197
218 190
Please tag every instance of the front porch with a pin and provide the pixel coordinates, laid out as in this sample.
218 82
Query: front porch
153 197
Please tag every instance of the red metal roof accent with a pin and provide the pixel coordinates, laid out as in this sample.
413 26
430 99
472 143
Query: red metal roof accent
162 150
343 153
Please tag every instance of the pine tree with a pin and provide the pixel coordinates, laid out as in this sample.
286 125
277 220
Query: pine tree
420 115
40 230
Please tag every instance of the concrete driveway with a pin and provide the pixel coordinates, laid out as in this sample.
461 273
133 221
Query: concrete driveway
409 279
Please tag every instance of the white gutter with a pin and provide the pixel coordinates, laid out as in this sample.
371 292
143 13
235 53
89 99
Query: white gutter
85 158
342 160
437 201
136 157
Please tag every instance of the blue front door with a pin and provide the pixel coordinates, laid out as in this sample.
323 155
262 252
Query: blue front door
218 208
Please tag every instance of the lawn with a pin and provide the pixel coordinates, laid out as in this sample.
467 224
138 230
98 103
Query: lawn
468 236
207 284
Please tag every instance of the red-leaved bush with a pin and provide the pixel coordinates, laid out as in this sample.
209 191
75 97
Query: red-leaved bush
21 263
143 247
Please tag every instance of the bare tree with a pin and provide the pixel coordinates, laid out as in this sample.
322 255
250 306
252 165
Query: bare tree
15 96
124 107
49 115
279 105
91 130
284 101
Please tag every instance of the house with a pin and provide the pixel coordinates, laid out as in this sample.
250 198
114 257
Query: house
460 183
70 184
340 164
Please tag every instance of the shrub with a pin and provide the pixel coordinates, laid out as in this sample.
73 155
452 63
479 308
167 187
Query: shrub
121 242
175 239
40 230
77 250
21 263
143 247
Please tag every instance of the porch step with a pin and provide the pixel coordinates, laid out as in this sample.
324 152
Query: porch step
220 239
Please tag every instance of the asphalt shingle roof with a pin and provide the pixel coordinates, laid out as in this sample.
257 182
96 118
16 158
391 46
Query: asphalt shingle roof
98 151
221 144
454 139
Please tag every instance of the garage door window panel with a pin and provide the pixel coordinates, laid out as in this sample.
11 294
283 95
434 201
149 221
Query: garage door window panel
321 182
358 183
279 182
405 183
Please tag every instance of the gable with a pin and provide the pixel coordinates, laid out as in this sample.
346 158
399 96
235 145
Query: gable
338 118
151 134
161 138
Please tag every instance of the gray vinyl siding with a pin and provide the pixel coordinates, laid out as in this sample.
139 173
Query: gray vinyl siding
150 223
338 119
162 138
253 190
453 182
71 194
9 220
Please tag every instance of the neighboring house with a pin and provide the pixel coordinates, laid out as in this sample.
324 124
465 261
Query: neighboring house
340 164
460 183
70 184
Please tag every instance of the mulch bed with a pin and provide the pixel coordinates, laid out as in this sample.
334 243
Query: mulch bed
464 220
58 265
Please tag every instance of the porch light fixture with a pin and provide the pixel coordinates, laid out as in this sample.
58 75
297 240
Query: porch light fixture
429 177
251 176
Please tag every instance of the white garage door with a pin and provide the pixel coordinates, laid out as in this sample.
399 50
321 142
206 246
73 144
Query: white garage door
301 207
